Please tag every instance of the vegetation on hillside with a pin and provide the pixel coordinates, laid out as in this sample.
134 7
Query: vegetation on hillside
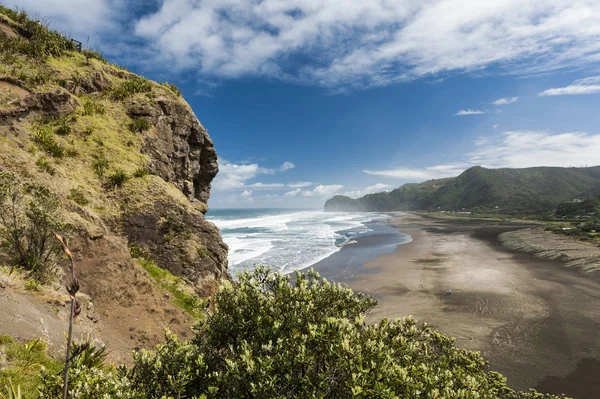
269 337
504 191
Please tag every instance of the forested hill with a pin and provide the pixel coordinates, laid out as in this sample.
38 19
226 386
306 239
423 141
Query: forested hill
528 190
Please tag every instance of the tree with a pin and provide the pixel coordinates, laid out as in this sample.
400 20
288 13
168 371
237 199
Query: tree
28 216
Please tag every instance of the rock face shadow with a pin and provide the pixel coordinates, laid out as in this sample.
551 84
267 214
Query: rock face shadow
581 383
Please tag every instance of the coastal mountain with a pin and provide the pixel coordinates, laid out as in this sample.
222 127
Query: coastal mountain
528 190
131 168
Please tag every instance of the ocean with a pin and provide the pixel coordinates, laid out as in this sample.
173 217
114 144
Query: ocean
285 239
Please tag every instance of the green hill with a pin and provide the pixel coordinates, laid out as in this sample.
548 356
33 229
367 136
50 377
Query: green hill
529 190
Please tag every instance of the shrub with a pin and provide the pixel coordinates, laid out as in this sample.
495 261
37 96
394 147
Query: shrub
100 166
45 140
45 166
93 54
138 125
28 216
173 88
118 178
63 127
269 337
130 87
78 196
93 107
140 172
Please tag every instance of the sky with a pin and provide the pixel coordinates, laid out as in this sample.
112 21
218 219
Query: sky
306 99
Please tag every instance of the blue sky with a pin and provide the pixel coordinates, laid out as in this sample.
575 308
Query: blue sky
305 99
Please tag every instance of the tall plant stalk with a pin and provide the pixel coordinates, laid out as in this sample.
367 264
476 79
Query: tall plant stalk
72 289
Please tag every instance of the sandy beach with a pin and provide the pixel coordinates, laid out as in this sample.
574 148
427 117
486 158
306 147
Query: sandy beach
536 321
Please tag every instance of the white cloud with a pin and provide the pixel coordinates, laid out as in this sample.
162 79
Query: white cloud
495 126
376 188
369 43
421 174
506 100
469 111
522 149
232 176
319 191
300 184
293 193
589 85
515 149
287 166
266 185
246 194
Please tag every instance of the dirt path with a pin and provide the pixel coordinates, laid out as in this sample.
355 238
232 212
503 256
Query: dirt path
536 321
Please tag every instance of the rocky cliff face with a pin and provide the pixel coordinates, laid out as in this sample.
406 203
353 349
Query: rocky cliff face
132 167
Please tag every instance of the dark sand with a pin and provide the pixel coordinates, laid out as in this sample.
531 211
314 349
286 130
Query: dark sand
536 321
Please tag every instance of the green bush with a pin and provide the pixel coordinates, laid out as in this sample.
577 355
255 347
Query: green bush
93 54
28 216
100 166
78 196
173 88
45 166
138 125
140 172
45 140
118 178
130 87
93 107
38 42
269 337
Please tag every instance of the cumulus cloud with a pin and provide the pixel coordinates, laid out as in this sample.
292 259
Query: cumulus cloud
232 176
589 85
300 184
287 166
468 111
319 191
522 149
370 43
266 186
246 194
376 188
513 149
506 100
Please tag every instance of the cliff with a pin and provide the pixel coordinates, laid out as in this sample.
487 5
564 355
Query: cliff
527 190
132 167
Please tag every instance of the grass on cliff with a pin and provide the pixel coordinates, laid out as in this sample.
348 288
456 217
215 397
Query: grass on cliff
183 296
21 363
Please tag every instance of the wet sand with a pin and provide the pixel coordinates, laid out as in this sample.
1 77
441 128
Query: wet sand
535 321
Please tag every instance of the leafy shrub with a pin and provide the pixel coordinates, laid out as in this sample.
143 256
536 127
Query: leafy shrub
118 178
92 54
78 196
45 166
140 172
130 87
93 107
45 140
28 216
63 127
39 42
173 88
267 337
100 166
138 125
21 366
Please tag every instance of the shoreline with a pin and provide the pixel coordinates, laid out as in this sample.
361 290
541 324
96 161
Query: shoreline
534 320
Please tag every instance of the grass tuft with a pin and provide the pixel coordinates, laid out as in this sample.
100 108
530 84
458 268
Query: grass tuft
78 196
173 88
118 178
130 87
93 107
45 140
140 172
138 125
45 166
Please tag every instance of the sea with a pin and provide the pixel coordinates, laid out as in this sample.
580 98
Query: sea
286 239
